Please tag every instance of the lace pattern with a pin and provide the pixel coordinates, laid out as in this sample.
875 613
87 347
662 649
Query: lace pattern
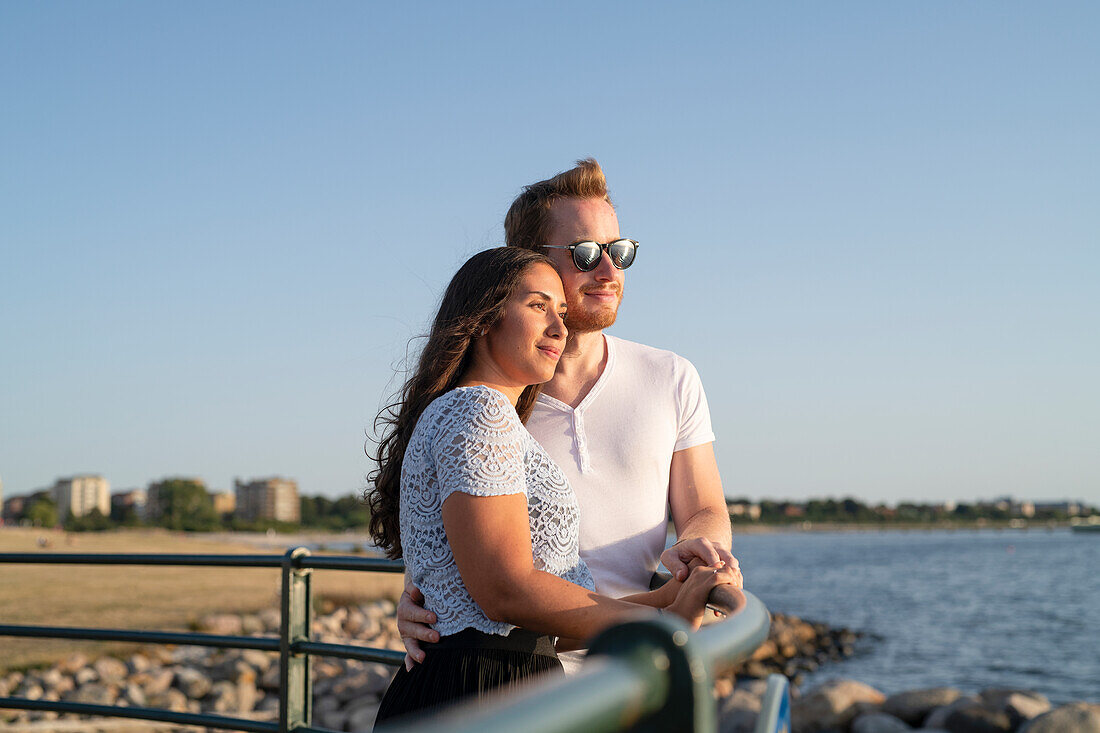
471 440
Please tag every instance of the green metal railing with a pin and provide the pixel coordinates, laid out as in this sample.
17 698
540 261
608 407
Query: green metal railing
645 675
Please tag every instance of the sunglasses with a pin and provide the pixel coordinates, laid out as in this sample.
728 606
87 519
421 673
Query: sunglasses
586 255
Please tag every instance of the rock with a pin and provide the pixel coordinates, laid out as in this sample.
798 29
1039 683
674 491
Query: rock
252 624
110 670
975 718
832 705
753 686
915 705
222 697
270 618
1079 717
879 723
139 663
938 717
135 695
94 693
155 681
260 661
84 675
193 683
247 694
1020 705
361 717
30 690
72 663
737 712
225 624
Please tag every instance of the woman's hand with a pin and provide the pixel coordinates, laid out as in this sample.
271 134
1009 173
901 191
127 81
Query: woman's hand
691 600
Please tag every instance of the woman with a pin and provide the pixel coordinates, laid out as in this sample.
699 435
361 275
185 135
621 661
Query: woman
485 520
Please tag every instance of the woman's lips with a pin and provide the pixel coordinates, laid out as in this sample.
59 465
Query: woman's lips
550 351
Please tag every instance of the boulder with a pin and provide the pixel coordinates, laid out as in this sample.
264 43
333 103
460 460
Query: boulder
72 663
915 705
84 676
140 663
1020 705
252 624
192 683
94 693
361 717
155 681
222 697
225 624
110 670
975 718
1079 717
737 712
879 723
832 705
938 717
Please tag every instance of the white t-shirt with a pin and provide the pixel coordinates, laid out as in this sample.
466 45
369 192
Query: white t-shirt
616 450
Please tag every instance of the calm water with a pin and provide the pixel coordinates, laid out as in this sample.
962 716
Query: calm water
969 609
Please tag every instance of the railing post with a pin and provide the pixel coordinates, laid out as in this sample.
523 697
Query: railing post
667 644
295 680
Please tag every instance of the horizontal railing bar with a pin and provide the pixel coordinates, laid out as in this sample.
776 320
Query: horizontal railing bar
343 562
607 695
348 651
165 716
70 558
263 643
735 638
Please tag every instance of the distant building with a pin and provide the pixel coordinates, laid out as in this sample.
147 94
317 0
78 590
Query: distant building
133 499
225 502
743 509
79 495
154 506
14 508
1069 508
270 498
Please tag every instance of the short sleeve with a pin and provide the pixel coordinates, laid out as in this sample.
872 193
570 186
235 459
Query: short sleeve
479 449
694 414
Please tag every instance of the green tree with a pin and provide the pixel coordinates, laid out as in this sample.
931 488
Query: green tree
185 505
93 521
43 512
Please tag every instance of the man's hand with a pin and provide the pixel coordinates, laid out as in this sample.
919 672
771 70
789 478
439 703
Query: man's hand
687 554
412 624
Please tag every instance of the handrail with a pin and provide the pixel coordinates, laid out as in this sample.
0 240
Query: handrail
632 673
654 673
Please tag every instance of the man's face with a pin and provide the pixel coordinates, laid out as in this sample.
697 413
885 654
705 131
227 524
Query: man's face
593 296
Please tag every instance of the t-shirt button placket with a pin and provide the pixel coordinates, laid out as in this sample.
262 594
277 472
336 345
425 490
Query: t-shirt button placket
582 443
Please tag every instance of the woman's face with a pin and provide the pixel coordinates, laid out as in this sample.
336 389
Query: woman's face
524 346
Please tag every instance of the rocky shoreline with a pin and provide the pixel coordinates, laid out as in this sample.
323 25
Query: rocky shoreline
244 683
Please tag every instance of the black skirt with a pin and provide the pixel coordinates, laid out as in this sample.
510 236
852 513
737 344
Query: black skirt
465 666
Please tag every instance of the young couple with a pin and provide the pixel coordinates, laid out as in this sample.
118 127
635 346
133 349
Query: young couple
508 531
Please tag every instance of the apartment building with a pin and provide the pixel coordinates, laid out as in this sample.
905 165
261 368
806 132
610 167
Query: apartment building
79 495
270 498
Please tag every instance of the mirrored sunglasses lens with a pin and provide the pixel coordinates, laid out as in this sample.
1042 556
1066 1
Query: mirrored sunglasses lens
586 255
622 253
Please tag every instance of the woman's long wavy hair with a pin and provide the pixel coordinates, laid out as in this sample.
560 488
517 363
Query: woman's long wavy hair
473 303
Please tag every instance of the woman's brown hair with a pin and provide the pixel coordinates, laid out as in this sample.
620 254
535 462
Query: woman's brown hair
472 304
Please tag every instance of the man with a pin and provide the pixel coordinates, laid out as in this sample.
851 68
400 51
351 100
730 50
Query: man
628 424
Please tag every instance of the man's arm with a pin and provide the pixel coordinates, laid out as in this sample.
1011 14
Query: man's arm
698 512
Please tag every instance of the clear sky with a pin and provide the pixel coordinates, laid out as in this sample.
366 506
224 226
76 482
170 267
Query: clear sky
873 227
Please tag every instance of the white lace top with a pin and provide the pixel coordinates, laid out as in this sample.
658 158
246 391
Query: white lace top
471 440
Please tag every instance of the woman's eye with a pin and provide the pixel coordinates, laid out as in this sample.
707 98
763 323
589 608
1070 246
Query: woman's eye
562 315
540 305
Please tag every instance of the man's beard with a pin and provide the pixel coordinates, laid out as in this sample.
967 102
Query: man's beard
581 320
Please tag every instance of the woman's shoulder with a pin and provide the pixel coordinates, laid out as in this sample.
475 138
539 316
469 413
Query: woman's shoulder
477 404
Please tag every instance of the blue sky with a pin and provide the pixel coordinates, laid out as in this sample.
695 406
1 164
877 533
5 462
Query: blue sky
873 227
